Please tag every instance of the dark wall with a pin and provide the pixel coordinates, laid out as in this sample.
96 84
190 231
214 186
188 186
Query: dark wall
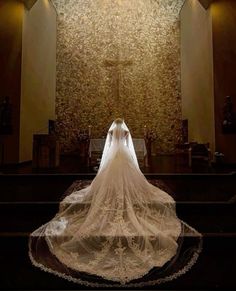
11 15
224 53
206 3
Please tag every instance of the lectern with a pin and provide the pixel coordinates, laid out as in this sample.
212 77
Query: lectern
46 151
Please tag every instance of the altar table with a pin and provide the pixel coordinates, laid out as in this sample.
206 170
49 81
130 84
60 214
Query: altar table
96 145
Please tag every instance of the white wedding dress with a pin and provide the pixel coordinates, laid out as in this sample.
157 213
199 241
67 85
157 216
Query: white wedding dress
118 229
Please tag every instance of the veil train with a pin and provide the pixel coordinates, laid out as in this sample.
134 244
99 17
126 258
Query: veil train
120 230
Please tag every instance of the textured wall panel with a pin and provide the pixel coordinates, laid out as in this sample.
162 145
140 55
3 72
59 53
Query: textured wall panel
118 58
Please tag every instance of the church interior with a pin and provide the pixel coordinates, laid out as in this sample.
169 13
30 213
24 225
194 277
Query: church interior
68 68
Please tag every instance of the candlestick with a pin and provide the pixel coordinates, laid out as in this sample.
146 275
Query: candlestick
145 130
89 130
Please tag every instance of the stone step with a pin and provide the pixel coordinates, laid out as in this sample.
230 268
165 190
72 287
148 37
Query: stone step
205 217
183 187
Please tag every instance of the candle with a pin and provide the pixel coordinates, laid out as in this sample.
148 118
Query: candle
145 130
89 130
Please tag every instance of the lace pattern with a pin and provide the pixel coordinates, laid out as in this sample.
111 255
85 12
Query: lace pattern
118 228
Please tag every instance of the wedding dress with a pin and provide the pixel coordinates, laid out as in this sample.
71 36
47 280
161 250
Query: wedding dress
120 230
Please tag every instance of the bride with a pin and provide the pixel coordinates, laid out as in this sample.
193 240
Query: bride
120 230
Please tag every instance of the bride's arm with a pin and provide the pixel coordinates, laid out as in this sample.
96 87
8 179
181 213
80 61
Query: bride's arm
110 137
127 138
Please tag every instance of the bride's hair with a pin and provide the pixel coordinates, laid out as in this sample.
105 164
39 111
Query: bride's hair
118 121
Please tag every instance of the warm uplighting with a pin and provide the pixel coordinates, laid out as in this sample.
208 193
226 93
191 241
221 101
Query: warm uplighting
46 3
11 13
216 9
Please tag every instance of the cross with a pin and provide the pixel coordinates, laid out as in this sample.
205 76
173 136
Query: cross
118 64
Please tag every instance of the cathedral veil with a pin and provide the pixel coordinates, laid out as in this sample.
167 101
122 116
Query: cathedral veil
129 141
119 231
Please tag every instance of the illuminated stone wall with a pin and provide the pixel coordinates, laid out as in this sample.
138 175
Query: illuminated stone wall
118 58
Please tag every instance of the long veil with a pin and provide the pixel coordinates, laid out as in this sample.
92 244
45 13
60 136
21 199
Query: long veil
119 231
107 146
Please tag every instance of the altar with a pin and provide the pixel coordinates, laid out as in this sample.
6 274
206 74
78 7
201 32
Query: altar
96 146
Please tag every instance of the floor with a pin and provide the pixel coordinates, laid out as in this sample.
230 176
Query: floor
205 199
206 202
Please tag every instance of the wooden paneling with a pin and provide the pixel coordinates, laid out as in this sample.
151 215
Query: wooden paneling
45 151
11 15
224 50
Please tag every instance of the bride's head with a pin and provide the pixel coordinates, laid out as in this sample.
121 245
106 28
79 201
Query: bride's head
118 121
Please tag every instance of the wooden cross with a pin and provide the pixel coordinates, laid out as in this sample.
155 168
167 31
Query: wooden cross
117 63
